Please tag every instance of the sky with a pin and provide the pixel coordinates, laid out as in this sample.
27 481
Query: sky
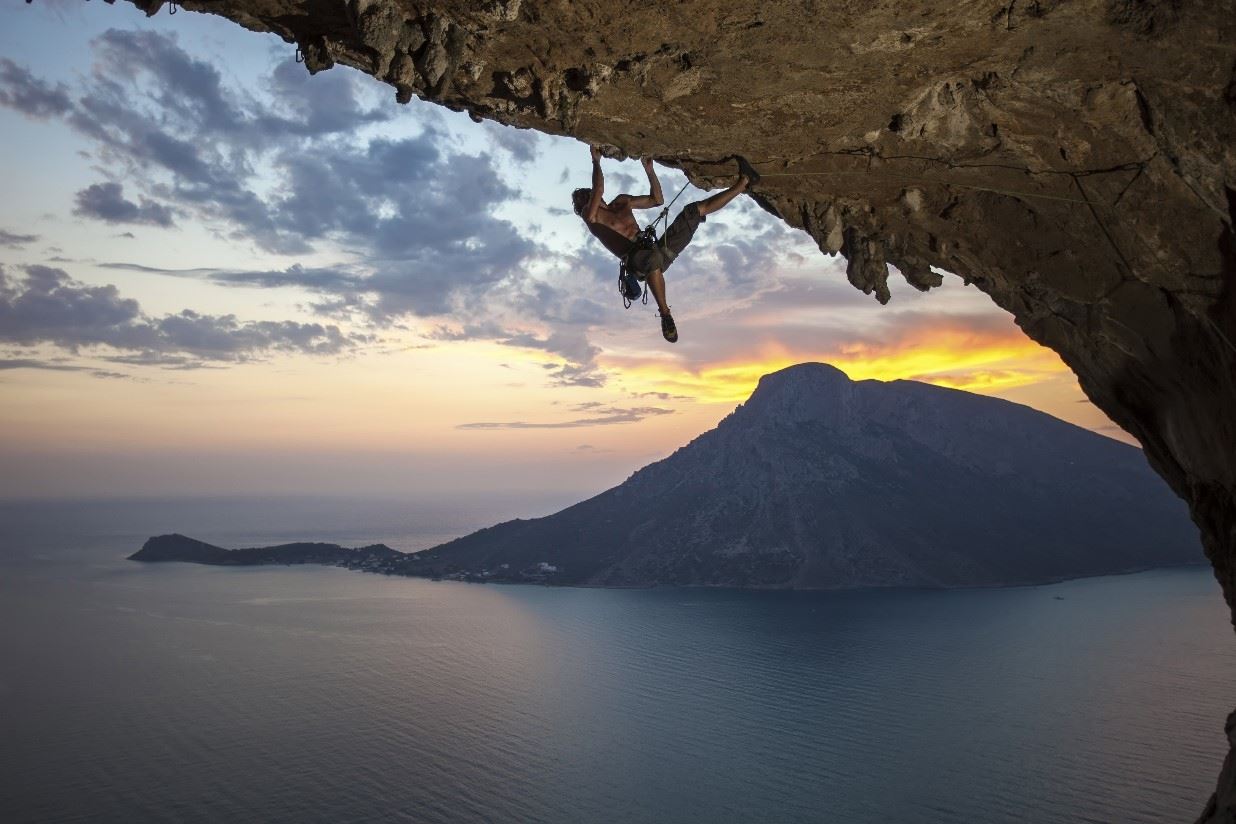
220 275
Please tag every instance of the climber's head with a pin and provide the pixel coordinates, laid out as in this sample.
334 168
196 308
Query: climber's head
580 198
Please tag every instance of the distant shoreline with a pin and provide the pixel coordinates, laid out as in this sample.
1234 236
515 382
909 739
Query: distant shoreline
379 559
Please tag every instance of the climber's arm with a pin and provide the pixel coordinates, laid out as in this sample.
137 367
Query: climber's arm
654 196
598 187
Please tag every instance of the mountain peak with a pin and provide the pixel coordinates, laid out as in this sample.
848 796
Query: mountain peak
805 391
811 371
809 368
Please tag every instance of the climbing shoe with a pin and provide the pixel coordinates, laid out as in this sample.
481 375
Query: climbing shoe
745 169
668 329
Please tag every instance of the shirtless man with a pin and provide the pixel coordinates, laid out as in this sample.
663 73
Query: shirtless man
614 225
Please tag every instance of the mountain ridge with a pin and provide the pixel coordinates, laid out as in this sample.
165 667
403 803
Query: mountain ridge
820 482
826 444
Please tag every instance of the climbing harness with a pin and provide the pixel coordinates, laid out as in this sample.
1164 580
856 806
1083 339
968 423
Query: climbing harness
628 282
647 240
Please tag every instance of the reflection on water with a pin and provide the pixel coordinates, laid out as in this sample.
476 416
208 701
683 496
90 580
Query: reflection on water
306 694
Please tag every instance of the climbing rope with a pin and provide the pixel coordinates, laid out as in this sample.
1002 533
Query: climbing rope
1011 193
664 216
1219 332
913 179
1138 165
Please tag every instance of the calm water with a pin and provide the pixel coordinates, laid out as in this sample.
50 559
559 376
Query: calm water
183 693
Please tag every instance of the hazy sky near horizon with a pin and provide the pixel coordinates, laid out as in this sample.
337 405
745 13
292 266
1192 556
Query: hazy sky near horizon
219 275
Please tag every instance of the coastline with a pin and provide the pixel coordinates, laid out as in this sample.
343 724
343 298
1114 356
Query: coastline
359 567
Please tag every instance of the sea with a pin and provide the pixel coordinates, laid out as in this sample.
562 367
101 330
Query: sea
174 692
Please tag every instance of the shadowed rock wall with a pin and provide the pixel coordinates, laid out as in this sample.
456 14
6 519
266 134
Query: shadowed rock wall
1074 160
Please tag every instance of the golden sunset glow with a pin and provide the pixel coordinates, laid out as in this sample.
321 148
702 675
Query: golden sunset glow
959 359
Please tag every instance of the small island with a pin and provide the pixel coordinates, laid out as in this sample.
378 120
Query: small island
177 547
376 558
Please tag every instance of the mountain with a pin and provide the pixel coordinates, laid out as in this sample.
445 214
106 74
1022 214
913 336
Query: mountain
180 548
818 481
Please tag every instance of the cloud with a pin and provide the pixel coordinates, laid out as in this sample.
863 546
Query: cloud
7 364
49 307
393 194
32 97
620 182
572 345
106 202
589 449
374 295
322 104
521 144
579 367
336 280
418 213
14 240
383 292
224 337
179 363
605 416
289 167
661 396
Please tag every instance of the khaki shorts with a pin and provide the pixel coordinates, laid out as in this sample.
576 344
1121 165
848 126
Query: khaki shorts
677 236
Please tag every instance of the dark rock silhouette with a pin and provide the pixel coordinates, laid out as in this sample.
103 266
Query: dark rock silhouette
181 548
820 482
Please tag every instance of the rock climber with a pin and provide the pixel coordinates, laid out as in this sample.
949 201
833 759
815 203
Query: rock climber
614 225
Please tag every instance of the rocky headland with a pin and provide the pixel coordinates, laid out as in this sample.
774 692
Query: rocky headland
176 547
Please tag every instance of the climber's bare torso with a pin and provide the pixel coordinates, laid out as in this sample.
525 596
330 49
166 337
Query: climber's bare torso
614 225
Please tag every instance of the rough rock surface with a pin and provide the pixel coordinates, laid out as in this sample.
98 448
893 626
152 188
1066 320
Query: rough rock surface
1074 160
820 482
